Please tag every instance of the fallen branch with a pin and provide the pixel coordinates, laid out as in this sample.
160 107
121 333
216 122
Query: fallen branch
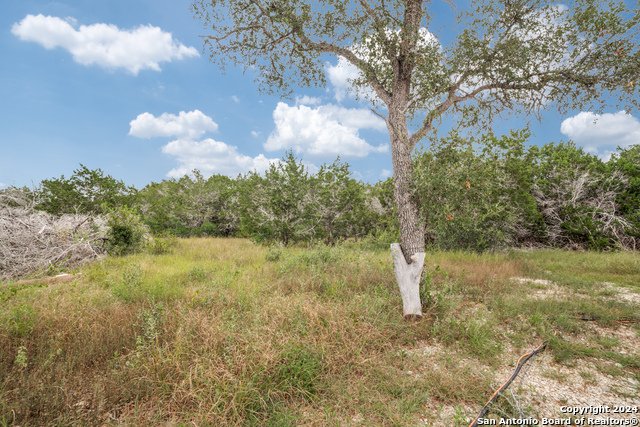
523 359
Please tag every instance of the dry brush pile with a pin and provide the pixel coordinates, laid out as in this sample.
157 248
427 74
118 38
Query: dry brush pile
32 240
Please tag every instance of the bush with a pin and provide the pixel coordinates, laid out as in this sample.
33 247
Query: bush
208 229
160 245
463 192
126 233
380 240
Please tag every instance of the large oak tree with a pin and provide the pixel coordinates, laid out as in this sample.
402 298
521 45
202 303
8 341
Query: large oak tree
508 56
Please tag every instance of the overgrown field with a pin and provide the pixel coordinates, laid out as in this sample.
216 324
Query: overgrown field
226 332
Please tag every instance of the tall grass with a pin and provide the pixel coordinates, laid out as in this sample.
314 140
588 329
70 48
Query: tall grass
225 332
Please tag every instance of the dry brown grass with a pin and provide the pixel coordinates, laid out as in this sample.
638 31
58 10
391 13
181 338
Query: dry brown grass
224 332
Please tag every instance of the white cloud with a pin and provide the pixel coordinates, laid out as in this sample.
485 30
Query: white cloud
353 117
2 185
609 130
193 124
235 99
210 156
310 167
254 133
340 76
386 173
326 130
144 47
307 100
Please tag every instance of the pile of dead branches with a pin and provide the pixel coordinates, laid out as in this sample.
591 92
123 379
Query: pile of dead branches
32 240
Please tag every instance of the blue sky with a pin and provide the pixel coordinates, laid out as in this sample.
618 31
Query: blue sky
123 86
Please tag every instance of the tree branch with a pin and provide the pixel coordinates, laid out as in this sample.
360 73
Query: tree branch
370 75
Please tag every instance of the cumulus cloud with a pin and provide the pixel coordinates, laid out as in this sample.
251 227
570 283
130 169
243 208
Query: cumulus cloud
2 185
235 99
600 134
310 167
326 130
105 45
254 133
340 76
193 124
307 100
386 173
210 156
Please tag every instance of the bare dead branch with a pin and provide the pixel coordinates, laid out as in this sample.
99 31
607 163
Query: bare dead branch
31 240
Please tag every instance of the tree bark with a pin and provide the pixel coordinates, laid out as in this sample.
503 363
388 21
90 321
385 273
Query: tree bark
408 270
408 277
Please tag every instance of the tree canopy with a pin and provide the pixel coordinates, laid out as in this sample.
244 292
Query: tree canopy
510 56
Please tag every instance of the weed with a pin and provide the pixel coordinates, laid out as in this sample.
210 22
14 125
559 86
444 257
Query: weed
160 245
149 321
428 296
610 369
460 417
554 374
22 321
198 274
588 377
316 259
299 371
274 253
129 287
21 357
132 276
607 342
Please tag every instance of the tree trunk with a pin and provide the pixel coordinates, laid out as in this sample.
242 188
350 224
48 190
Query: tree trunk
408 277
408 271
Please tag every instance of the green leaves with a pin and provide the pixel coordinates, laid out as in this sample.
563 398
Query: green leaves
486 193
192 206
289 205
86 191
340 203
460 191
125 231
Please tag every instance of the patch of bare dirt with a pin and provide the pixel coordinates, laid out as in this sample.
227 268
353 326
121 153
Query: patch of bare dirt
544 289
623 293
543 386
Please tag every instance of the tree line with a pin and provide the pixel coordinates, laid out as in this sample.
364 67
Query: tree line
479 194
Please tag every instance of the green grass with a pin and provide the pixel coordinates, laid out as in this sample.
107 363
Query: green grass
226 332
588 268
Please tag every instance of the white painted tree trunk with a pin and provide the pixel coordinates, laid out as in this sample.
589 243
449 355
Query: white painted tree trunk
408 277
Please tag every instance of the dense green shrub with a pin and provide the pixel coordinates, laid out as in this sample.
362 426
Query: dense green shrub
627 162
86 191
278 206
183 207
126 232
460 190
478 193
290 205
578 196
